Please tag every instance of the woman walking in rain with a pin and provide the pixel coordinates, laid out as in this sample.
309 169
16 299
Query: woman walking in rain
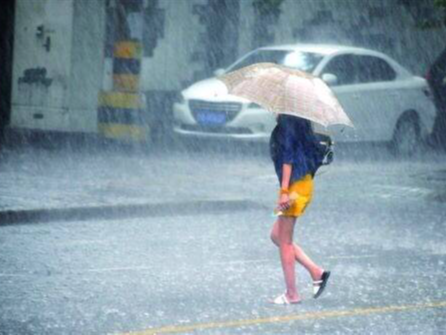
296 97
296 159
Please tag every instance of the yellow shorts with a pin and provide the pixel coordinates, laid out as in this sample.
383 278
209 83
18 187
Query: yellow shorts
301 193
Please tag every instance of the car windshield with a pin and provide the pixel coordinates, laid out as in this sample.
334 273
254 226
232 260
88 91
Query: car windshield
304 61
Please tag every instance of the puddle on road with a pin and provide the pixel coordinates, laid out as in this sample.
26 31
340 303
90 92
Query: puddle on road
435 181
439 196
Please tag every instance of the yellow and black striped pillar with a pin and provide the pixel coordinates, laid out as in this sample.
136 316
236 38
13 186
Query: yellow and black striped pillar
127 58
120 113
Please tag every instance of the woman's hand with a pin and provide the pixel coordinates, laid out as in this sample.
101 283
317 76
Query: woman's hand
284 202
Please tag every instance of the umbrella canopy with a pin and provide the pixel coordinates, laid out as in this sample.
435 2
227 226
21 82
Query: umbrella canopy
283 90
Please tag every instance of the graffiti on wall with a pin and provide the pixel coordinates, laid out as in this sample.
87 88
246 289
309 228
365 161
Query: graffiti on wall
34 86
36 76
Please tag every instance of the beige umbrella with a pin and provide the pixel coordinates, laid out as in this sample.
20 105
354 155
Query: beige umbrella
283 90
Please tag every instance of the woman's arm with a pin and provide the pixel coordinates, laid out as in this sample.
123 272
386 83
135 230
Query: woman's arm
286 176
289 136
284 198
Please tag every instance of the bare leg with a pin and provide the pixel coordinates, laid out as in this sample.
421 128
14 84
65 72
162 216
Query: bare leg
314 270
300 256
287 256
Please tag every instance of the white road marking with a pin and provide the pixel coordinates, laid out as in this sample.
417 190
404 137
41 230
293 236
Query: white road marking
146 268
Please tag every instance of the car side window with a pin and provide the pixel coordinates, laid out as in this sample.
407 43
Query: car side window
373 69
343 67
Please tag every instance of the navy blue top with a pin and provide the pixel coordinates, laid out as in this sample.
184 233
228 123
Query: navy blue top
293 142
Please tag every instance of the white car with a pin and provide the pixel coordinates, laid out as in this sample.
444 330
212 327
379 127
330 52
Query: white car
384 100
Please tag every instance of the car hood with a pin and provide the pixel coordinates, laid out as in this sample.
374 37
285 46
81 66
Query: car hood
210 89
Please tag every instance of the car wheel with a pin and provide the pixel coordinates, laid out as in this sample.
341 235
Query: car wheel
406 139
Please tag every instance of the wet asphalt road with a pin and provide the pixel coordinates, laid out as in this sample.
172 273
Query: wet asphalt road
196 257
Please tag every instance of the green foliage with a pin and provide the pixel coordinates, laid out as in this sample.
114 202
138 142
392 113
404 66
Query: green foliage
440 3
431 24
265 7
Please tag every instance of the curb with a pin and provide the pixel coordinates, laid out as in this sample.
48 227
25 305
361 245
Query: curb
12 217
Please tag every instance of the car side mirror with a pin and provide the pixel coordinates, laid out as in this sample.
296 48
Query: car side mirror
219 72
330 79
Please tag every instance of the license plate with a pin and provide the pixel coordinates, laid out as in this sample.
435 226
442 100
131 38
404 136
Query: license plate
210 118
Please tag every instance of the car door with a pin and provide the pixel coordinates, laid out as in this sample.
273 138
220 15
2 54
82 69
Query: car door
343 67
378 97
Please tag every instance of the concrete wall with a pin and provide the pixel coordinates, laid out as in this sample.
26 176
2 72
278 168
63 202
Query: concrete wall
66 96
171 65
87 64
378 24
246 27
42 64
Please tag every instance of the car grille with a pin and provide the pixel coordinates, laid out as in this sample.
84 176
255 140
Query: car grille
229 109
